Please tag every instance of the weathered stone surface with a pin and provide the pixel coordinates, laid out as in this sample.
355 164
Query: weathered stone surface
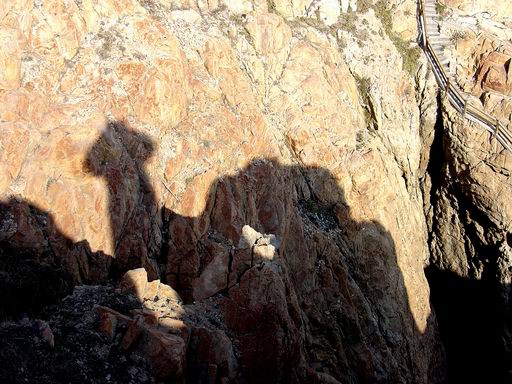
108 324
135 281
150 317
163 136
257 306
261 26
292 8
10 60
166 292
102 310
166 354
495 73
471 252
160 340
171 325
467 203
133 332
213 278
212 356
327 11
238 7
498 9
151 290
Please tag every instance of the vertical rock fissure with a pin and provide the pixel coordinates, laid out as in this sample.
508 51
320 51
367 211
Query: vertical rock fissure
435 169
437 158
463 272
164 245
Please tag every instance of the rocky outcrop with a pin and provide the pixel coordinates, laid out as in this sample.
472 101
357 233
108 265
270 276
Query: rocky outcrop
498 10
495 73
469 216
471 247
262 169
148 135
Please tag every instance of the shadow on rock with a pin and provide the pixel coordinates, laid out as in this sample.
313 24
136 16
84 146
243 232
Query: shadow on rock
38 264
118 157
274 282
471 326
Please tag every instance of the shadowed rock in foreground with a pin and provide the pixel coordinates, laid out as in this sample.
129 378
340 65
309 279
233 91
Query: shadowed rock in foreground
314 301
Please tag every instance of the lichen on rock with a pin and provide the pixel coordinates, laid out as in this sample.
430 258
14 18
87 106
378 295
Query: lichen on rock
233 191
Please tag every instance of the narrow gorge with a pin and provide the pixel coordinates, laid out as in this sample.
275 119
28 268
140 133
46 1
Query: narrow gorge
249 191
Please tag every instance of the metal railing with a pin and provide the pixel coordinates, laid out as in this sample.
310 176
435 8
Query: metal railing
457 98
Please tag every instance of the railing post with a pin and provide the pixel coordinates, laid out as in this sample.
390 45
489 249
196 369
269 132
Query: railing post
496 129
447 89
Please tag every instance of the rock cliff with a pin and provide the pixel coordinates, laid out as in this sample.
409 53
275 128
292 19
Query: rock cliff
274 176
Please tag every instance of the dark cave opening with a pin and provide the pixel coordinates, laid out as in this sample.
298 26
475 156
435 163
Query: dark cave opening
471 326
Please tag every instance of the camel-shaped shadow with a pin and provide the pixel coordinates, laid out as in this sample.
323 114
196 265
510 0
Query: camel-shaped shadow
322 286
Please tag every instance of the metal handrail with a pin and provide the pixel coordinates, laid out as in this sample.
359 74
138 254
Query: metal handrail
458 99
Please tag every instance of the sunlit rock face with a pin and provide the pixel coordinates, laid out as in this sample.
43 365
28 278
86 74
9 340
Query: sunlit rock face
497 9
269 162
495 73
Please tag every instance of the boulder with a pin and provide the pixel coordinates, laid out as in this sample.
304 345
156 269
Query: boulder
135 281
151 290
166 354
495 73
211 356
108 324
166 292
